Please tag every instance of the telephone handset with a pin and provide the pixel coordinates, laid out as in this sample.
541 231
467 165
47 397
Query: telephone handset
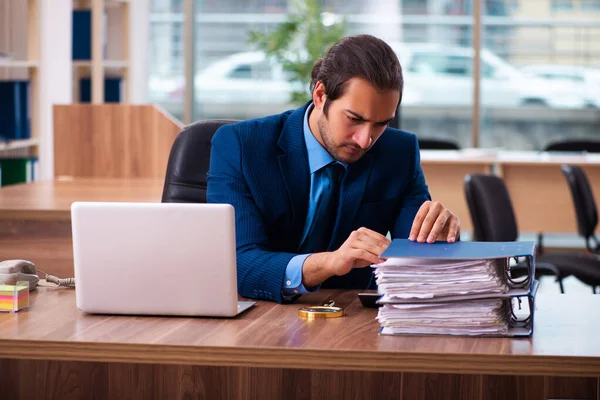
12 271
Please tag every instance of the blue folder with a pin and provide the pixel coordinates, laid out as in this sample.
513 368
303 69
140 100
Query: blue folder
459 250
441 250
112 90
82 35
14 110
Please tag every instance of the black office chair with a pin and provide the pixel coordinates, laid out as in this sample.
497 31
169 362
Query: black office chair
189 160
437 144
494 220
585 205
591 146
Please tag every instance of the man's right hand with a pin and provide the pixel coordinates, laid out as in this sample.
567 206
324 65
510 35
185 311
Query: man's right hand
363 247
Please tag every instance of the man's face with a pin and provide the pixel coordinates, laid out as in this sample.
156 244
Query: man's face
356 120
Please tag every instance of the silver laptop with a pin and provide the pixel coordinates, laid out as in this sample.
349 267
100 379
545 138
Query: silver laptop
155 259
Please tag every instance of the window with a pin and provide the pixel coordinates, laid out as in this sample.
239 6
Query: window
247 90
458 65
541 54
439 74
567 77
427 64
487 70
244 71
562 5
165 67
590 5
258 71
431 63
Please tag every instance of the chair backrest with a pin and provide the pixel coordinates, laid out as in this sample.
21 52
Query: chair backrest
583 199
437 144
591 146
189 161
491 209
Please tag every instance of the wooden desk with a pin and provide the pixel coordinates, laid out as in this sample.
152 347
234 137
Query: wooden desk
35 218
52 349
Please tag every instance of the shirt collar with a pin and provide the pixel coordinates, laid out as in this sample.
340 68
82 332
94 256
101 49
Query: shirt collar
318 157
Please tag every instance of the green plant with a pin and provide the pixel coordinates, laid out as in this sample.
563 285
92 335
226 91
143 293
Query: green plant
300 41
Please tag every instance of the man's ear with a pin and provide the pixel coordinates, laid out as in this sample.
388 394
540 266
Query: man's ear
319 95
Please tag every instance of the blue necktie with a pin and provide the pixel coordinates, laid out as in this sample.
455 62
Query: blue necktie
321 230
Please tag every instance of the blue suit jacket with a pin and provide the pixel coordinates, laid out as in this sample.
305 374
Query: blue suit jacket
260 167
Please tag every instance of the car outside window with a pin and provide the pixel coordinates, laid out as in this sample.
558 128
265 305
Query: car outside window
430 63
260 71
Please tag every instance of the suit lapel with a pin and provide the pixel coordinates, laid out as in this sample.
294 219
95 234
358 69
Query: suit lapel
352 191
295 171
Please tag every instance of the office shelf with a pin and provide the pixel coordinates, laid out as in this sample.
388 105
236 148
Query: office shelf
21 39
19 64
96 67
27 26
105 64
19 144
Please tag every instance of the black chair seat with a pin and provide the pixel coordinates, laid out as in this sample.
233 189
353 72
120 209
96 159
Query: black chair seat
585 267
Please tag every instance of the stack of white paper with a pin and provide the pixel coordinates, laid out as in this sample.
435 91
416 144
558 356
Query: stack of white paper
412 278
469 317
434 296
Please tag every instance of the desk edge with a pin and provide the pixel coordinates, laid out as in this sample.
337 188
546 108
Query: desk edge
324 359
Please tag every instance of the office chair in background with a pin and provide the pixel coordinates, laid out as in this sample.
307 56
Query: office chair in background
590 146
189 160
570 145
437 144
494 220
584 204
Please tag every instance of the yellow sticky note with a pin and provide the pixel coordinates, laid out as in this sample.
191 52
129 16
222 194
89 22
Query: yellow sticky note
14 297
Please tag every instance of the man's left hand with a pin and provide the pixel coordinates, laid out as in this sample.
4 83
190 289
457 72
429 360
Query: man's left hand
434 222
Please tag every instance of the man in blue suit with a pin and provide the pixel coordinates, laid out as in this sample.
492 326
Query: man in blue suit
315 190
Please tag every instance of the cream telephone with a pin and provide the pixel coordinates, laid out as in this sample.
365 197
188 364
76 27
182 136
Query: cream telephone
13 271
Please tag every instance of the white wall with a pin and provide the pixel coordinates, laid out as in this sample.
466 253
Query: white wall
139 11
55 73
13 37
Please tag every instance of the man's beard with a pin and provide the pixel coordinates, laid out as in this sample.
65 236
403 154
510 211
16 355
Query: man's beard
330 146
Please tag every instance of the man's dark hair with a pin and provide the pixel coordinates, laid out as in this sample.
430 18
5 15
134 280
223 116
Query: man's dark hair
361 56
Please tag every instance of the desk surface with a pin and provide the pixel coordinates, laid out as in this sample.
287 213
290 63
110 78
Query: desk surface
51 200
270 335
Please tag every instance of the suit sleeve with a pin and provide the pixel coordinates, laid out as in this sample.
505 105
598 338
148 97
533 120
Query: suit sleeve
416 193
260 272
